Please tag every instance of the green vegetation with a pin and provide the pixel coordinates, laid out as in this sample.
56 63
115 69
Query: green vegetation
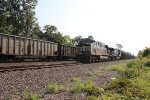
134 83
144 53
74 79
55 88
120 68
98 72
90 74
31 96
89 88
18 16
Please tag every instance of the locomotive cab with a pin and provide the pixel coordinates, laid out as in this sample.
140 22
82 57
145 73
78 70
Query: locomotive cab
84 50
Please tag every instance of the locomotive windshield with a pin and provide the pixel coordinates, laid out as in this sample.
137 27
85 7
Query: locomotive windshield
85 42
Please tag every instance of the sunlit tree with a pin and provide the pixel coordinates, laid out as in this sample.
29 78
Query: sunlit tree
90 37
119 46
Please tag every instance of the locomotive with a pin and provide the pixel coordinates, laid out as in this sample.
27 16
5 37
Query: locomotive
91 50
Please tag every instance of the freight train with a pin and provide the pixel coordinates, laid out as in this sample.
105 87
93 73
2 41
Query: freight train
18 48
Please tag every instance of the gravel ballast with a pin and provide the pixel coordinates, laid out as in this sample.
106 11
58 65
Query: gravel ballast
13 84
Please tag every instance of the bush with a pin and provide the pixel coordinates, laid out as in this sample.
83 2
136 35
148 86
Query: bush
146 52
146 62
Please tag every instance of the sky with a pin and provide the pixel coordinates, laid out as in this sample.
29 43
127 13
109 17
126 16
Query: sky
126 22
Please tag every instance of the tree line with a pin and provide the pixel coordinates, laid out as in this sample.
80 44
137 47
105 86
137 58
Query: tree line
17 17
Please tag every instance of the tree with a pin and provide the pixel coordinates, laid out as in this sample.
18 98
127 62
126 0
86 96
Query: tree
17 16
90 37
67 40
50 29
4 15
76 39
146 52
36 31
51 34
140 53
119 46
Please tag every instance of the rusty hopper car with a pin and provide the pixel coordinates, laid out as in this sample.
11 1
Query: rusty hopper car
90 50
66 52
20 48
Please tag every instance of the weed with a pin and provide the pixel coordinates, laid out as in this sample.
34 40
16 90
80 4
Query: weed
134 82
55 88
88 88
78 87
30 96
143 87
75 79
90 74
120 68
92 98
112 96
132 72
138 63
120 85
98 72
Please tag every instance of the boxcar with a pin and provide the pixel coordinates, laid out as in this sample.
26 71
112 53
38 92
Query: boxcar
20 48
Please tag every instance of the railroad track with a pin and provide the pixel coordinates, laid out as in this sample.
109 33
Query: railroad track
34 66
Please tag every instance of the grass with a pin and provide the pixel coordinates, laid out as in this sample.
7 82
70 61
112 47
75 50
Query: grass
30 96
89 88
98 72
55 88
74 79
90 74
92 98
134 82
120 68
78 86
